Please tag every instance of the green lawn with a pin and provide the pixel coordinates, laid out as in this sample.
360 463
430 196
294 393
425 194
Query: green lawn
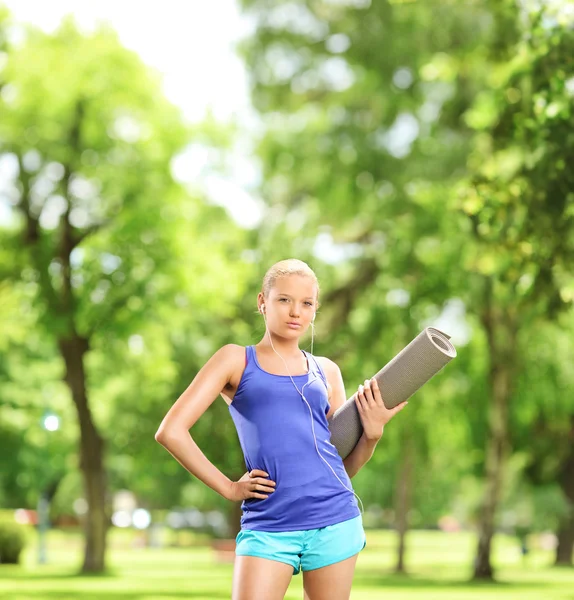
439 567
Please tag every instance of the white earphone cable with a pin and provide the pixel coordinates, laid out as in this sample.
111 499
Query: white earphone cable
310 409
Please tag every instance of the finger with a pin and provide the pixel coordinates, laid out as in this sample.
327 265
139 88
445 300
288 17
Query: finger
369 393
256 495
376 392
264 488
359 402
397 409
265 482
258 473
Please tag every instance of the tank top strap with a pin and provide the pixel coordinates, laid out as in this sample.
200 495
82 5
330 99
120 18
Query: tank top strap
249 360
315 366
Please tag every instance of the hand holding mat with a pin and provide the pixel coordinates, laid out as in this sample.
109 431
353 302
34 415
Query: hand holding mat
398 380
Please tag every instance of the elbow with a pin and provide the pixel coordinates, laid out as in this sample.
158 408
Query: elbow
349 470
161 436
165 435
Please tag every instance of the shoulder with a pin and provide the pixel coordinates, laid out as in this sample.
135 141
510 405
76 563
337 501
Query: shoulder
232 353
231 358
330 367
335 384
332 373
232 350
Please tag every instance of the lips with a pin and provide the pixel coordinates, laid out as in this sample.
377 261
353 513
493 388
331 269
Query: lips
293 324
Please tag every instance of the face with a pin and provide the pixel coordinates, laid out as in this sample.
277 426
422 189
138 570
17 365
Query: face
291 300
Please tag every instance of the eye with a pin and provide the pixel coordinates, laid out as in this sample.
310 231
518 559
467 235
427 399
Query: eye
309 303
280 299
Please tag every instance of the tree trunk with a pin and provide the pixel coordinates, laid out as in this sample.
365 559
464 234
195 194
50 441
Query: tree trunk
566 529
501 341
495 459
403 498
96 520
565 542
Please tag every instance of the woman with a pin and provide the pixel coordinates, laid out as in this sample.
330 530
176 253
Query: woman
299 508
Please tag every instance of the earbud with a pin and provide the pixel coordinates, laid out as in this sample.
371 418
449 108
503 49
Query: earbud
314 315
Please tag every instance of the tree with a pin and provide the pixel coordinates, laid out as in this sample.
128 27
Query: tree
91 190
435 163
542 424
517 199
363 142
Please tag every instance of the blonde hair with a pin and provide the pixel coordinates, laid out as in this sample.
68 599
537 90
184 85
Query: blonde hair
289 266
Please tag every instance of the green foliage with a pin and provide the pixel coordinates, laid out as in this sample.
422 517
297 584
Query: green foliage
12 542
364 140
101 241
415 167
517 197
432 163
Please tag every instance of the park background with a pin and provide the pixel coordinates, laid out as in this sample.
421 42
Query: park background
418 155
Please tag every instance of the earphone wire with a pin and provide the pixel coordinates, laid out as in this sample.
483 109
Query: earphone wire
308 405
312 334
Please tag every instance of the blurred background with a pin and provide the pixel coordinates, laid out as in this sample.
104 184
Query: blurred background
157 159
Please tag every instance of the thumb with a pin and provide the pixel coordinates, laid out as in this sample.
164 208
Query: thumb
400 407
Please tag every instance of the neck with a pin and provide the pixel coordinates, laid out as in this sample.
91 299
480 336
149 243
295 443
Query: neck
284 346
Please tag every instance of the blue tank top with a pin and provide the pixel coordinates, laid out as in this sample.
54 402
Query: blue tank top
273 423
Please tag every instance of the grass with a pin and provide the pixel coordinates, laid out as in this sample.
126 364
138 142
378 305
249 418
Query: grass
439 567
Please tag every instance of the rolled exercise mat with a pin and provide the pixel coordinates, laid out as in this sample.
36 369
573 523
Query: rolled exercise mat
398 380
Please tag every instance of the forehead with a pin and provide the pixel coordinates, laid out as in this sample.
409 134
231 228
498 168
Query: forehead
295 285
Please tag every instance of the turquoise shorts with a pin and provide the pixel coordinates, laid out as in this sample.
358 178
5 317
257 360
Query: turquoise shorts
308 549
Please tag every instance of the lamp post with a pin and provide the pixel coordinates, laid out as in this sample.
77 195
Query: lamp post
50 422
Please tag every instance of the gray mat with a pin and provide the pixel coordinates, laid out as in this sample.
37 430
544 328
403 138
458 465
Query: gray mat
398 380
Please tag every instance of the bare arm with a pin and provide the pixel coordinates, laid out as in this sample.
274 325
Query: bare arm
360 455
173 433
